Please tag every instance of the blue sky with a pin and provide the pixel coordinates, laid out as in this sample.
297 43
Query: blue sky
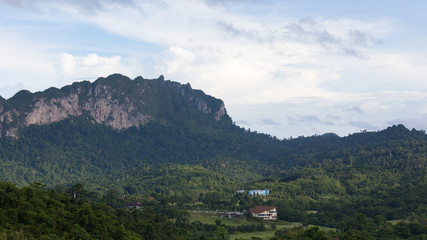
287 68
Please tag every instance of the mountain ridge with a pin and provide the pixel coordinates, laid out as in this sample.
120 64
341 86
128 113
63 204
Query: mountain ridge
168 123
184 150
115 101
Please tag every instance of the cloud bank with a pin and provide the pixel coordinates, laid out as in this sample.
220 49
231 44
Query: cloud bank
282 73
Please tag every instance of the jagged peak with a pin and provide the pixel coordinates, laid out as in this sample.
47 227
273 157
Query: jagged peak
398 127
116 101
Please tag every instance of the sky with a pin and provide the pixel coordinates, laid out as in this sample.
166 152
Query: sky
283 67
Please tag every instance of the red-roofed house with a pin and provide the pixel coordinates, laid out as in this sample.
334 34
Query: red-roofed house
265 212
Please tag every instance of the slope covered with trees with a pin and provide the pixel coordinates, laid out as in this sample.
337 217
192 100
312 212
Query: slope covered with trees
35 212
186 152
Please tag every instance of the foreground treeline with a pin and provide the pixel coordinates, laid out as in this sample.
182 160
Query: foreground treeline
34 212
362 229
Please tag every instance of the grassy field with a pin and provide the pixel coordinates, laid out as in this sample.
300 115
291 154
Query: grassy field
263 235
268 234
210 218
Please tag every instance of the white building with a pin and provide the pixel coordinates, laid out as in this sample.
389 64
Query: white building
267 213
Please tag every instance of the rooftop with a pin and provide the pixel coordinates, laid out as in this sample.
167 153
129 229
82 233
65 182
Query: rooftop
260 209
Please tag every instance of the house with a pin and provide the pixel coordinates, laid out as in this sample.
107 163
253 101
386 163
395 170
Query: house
267 213
259 192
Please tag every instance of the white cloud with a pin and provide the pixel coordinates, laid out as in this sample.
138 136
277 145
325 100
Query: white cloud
228 54
344 115
80 6
23 64
267 121
174 59
68 64
72 68
363 125
411 122
8 91
19 54
263 67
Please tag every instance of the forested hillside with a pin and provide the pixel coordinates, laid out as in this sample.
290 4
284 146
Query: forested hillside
35 212
176 149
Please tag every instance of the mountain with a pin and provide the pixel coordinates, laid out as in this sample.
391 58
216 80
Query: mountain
97 133
175 148
90 130
116 101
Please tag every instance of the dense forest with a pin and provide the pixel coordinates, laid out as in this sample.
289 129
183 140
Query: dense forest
69 179
358 185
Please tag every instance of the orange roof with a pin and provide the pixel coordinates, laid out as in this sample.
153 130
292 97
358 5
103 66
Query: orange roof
260 209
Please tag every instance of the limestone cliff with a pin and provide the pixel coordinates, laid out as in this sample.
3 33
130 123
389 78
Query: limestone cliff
115 101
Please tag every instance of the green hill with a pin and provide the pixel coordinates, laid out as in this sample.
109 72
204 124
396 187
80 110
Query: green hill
164 141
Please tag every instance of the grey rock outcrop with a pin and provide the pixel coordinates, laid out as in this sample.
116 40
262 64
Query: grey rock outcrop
115 101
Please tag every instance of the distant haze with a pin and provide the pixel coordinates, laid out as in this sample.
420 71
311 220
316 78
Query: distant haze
286 68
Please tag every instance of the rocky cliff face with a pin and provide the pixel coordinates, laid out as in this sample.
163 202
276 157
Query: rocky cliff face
115 101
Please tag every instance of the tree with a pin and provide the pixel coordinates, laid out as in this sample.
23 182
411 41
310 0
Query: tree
221 233
78 190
